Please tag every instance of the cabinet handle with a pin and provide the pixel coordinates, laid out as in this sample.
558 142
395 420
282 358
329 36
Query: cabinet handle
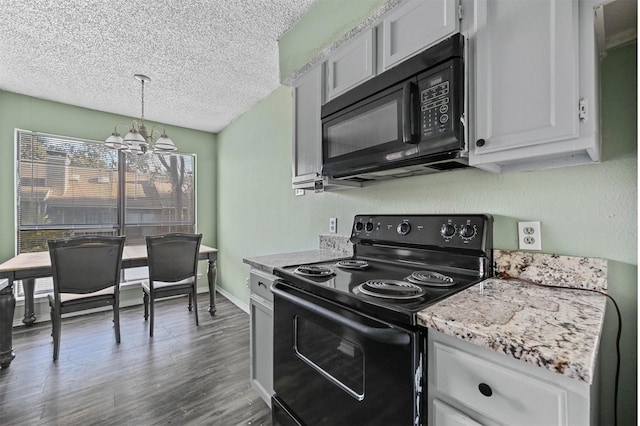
480 143
485 389
260 283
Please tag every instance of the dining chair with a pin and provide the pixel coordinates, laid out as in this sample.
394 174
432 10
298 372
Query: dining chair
173 270
86 275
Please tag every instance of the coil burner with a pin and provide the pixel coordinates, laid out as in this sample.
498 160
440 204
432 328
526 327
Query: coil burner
430 278
390 289
313 271
353 264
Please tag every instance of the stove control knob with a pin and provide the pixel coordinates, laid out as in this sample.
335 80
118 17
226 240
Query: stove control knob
369 226
448 230
467 232
359 226
404 228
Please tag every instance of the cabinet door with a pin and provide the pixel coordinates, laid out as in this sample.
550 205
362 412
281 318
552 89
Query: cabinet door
261 342
444 415
351 65
503 394
415 25
307 130
527 77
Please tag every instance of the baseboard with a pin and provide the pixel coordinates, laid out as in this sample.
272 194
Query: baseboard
239 303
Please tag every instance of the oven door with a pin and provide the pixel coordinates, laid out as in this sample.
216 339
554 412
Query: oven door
334 366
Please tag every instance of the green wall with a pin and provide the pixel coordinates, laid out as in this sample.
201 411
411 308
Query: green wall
586 210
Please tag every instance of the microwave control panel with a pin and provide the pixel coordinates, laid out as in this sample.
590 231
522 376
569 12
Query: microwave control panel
436 103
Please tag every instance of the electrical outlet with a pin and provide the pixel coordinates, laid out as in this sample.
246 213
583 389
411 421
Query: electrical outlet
529 236
299 192
333 225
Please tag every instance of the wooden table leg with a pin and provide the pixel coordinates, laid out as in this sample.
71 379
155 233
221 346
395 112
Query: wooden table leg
211 276
7 309
29 286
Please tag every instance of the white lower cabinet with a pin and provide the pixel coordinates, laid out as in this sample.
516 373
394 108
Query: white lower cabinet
471 385
261 333
445 415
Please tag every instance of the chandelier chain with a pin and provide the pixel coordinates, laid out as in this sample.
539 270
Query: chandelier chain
142 101
138 140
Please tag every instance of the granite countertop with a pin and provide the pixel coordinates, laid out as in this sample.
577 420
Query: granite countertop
553 328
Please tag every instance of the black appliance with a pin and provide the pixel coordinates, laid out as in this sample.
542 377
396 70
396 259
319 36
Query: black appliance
407 120
347 348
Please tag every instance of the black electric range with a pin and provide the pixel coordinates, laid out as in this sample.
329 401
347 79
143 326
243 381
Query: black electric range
345 332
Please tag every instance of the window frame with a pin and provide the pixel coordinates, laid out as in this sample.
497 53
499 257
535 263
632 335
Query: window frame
187 168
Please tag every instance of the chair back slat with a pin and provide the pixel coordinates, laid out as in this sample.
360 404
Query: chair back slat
86 264
173 257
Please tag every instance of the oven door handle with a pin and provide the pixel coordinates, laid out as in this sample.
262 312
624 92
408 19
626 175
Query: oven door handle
388 336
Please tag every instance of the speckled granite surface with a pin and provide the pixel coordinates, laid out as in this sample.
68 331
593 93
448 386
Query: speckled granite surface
336 242
552 269
331 247
555 329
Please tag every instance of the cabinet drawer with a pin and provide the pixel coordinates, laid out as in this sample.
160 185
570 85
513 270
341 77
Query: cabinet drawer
260 284
507 396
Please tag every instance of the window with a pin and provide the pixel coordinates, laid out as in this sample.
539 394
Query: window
68 187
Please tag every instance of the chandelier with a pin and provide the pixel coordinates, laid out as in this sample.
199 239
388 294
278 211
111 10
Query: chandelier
137 140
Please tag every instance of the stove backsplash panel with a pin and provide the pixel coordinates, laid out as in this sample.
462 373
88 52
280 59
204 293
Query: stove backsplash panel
337 243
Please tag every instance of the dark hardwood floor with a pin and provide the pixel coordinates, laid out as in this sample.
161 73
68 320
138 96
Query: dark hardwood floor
184 375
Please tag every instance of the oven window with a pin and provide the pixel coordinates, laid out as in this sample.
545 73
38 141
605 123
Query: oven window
336 358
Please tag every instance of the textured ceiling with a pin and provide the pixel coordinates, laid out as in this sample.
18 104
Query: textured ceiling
209 61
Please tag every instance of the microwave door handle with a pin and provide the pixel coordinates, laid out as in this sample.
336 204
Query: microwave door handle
388 336
408 134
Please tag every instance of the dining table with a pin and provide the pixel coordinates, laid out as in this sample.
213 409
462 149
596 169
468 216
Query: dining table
26 267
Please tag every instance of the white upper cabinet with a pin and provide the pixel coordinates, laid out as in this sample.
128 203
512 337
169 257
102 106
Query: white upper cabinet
307 131
534 85
414 25
351 64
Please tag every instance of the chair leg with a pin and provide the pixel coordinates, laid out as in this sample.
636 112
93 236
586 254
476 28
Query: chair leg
151 308
145 300
190 303
195 304
116 321
55 332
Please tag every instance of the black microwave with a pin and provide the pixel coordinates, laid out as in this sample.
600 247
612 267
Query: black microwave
407 120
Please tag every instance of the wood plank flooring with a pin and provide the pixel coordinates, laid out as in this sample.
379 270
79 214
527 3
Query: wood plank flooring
184 375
